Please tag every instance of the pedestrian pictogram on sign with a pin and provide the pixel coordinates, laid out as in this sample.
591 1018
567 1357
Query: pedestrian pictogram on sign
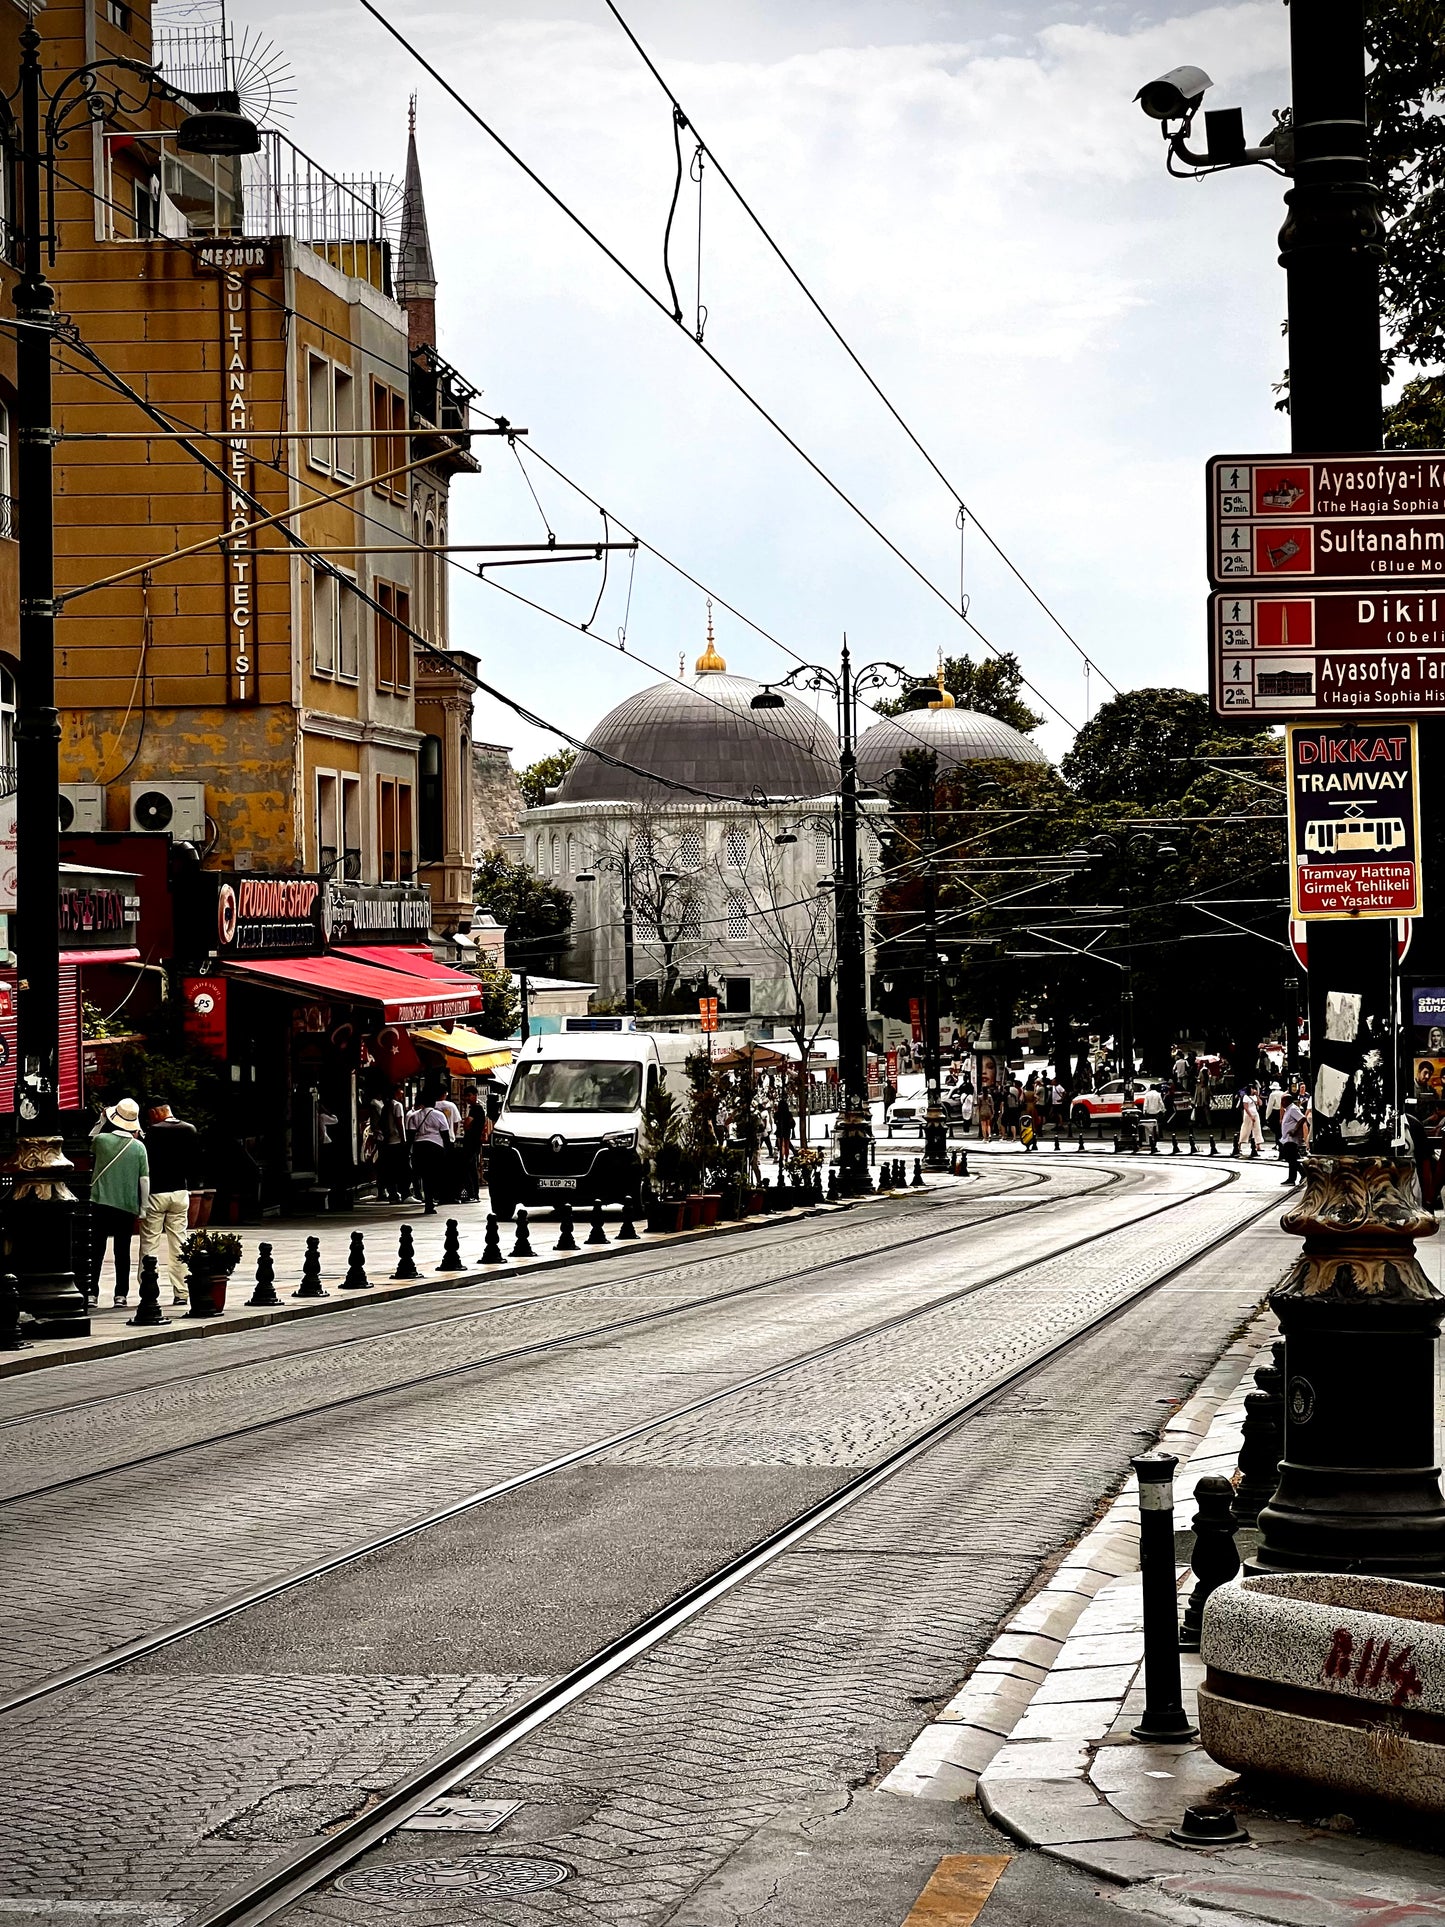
1354 820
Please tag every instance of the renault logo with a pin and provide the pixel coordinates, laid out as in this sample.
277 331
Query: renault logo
556 1145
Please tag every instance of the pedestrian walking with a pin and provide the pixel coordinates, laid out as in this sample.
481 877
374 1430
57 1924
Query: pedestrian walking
1249 1131
1293 1137
1013 1103
431 1139
1153 1108
396 1153
783 1127
890 1096
172 1147
985 1113
119 1191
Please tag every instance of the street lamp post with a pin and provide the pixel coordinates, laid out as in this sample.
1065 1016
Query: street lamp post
41 1219
855 1125
621 866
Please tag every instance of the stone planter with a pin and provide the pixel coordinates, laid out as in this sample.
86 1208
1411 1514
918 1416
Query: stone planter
711 1206
1334 1680
691 1213
207 1293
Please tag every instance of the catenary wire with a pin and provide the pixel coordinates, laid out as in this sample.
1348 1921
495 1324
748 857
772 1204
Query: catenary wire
735 381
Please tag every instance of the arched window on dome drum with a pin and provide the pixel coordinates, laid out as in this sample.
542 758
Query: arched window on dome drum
735 845
571 856
689 850
689 927
556 869
431 816
737 914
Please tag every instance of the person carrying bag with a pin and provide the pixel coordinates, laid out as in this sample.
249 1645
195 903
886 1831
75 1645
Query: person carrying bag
431 1143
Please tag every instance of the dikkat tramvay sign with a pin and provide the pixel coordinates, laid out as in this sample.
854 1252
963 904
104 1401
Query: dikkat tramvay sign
1354 821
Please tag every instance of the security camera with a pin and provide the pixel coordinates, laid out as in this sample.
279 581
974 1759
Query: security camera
1175 95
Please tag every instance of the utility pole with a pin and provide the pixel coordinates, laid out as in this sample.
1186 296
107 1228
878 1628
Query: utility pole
855 1125
629 961
935 1125
1359 1489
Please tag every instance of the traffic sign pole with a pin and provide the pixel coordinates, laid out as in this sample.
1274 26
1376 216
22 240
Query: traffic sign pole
1358 1488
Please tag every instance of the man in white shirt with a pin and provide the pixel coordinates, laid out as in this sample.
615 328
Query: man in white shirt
431 1139
1153 1109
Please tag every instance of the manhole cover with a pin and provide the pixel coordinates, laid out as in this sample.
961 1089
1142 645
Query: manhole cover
418 1883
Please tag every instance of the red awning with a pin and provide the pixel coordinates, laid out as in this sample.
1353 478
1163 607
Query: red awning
123 954
401 998
415 961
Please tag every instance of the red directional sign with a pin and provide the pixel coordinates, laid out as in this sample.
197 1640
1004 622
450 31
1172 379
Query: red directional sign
1366 651
1373 517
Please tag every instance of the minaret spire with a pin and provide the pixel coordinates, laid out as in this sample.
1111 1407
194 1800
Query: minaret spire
416 282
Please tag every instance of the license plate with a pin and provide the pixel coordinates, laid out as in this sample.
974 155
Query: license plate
556 1184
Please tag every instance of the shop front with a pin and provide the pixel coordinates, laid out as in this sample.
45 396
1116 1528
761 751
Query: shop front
311 991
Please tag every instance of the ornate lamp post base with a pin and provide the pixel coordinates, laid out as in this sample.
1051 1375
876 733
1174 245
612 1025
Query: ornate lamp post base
1359 1486
855 1135
935 1139
39 1233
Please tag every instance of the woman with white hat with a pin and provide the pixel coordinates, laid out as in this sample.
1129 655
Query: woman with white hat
119 1191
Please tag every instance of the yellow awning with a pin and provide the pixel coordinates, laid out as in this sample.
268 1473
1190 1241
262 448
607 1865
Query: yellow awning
462 1050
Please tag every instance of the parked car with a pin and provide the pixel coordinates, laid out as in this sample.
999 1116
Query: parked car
906 1115
1106 1105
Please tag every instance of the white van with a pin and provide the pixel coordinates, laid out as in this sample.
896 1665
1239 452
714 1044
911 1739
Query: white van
571 1128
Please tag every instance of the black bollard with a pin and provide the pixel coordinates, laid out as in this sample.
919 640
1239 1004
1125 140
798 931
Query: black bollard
918 1184
1081 1137
10 1339
405 1254
963 1164
310 1286
1193 1146
1262 1443
566 1238
148 1312
1057 1145
597 1234
522 1244
492 1253
1213 1147
1215 1558
1163 1696
356 1278
451 1258
832 1184
627 1230
265 1292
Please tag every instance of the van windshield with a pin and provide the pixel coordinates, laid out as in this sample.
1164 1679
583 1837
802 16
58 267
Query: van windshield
575 1084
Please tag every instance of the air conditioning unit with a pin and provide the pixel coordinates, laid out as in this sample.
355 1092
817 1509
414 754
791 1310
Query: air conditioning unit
82 806
170 809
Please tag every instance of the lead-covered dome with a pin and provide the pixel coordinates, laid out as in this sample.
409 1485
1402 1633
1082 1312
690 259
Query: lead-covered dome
954 735
706 734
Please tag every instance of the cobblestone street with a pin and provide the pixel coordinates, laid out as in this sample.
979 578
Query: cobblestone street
601 1441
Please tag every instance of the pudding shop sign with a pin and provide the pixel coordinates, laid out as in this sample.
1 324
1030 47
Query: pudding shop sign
1354 820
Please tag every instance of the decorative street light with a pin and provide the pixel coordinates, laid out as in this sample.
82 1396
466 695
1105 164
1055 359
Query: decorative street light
1130 846
855 1125
622 866
40 1228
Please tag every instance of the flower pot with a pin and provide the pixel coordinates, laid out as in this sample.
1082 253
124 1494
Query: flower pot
665 1214
207 1292
711 1202
757 1202
692 1213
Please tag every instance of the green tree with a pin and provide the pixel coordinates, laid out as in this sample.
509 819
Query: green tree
545 774
536 914
1143 747
501 1005
991 687
1406 43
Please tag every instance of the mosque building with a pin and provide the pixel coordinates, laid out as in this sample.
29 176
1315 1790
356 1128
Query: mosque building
719 820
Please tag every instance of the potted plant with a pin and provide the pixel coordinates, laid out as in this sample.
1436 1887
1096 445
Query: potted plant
209 1258
806 1165
662 1149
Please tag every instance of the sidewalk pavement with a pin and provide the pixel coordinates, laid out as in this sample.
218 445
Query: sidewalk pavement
1040 1735
111 1332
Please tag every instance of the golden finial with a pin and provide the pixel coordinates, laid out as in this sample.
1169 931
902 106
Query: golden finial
710 663
945 701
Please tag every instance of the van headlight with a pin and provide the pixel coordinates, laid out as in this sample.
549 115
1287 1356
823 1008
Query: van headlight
619 1140
501 1138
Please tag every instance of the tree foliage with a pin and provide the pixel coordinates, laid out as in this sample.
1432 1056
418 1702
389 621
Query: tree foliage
501 1005
991 687
1406 43
536 914
545 774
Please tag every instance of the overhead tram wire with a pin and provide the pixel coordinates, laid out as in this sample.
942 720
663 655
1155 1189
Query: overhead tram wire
833 329
733 380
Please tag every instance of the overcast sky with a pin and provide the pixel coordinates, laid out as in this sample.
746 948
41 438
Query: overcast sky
977 202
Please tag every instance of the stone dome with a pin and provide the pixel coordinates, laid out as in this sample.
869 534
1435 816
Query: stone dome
954 735
705 733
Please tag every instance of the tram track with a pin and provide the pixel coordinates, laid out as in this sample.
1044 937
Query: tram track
442 1374
297 1875
273 1588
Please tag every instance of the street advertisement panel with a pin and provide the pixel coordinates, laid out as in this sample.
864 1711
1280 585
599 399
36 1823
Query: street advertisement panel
1426 1036
203 1013
1354 820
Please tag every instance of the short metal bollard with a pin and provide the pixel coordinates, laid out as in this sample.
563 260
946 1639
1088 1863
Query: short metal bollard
405 1254
522 1243
356 1278
265 1292
1262 1439
492 1253
310 1286
10 1339
597 1233
918 1184
566 1237
627 1230
148 1312
451 1258
1215 1558
1164 1718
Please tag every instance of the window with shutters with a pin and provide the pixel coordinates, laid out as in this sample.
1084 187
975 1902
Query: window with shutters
431 818
393 644
328 821
388 418
348 632
737 916
320 412
736 849
396 848
343 460
323 623
689 850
